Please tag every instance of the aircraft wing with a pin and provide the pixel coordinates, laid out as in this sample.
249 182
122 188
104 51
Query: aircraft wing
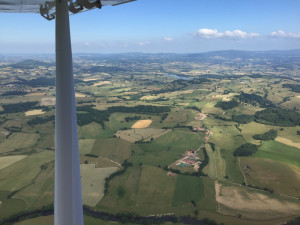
33 6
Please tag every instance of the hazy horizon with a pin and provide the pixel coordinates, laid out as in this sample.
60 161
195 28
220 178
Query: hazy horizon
162 26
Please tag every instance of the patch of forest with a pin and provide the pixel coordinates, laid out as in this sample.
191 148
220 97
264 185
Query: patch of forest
278 117
31 64
40 120
19 107
293 87
246 150
42 81
145 109
254 99
242 119
87 114
227 105
267 136
8 93
104 69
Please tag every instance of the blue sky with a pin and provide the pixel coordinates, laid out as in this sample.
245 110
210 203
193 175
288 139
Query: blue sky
163 26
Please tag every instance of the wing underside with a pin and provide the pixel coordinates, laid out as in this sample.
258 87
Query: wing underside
34 6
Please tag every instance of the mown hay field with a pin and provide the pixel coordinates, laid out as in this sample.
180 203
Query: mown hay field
142 124
6 161
288 142
34 112
86 145
93 180
236 200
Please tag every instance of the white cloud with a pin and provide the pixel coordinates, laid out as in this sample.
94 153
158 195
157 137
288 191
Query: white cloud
86 43
210 33
239 34
282 34
144 43
168 39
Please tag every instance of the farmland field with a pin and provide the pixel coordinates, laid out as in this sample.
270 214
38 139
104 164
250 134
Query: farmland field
288 142
24 171
166 149
18 141
86 145
280 152
41 190
112 148
237 200
145 134
155 183
142 124
217 165
272 174
93 180
34 112
10 206
9 160
188 189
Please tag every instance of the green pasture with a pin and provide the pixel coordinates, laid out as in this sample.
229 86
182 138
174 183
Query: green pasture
210 108
280 152
41 191
112 148
290 133
293 103
252 128
155 190
187 189
166 149
216 167
113 201
86 145
17 141
141 134
23 172
226 137
179 116
94 131
10 206
98 162
117 120
233 171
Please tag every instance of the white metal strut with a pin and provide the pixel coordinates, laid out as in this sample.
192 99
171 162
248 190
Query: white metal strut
67 198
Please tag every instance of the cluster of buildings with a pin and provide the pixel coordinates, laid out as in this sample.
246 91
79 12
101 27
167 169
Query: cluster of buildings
189 159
